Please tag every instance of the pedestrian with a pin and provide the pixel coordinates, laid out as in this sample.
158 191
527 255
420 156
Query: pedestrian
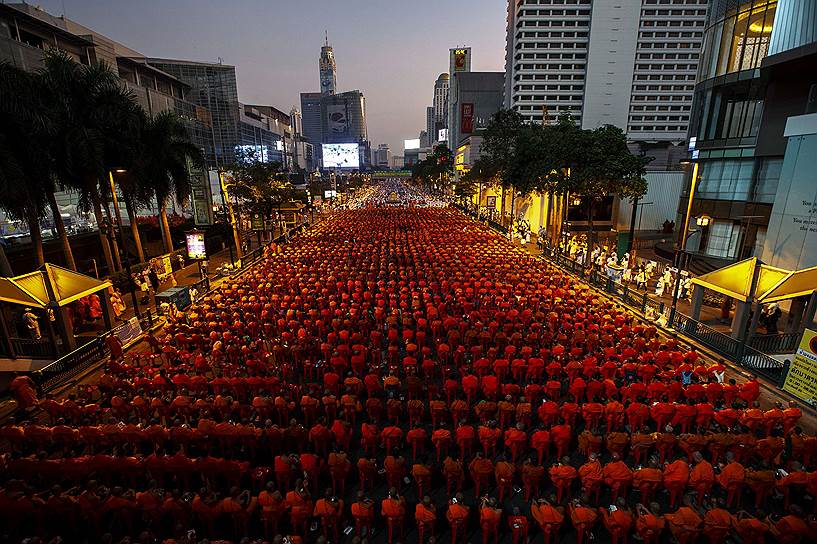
32 323
180 260
144 287
154 279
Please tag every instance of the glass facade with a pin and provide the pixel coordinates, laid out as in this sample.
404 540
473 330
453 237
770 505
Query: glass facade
739 40
214 87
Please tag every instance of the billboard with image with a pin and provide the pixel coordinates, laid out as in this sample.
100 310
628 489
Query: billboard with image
341 156
411 144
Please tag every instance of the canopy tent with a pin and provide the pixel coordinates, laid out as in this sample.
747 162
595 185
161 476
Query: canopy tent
34 289
793 285
773 284
51 288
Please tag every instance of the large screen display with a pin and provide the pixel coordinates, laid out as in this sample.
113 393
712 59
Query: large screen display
411 144
341 156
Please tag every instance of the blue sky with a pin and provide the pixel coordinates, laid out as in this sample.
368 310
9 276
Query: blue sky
392 50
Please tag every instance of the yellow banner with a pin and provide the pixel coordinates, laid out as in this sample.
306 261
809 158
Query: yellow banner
801 380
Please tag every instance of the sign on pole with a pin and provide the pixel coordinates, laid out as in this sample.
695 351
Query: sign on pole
801 380
195 246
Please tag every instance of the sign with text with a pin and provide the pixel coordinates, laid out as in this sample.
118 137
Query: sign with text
195 246
467 118
801 380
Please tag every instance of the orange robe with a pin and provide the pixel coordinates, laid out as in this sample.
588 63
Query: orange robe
685 524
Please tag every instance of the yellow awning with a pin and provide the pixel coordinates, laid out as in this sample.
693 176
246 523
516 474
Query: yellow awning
13 293
31 289
793 285
734 280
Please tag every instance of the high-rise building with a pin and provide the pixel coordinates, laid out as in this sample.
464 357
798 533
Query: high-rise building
343 120
475 98
212 86
311 115
440 105
629 64
383 156
459 61
429 125
753 136
328 69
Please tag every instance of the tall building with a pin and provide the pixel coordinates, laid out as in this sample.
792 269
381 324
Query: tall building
630 64
328 69
212 86
440 105
343 120
311 116
382 156
459 61
475 98
429 125
753 136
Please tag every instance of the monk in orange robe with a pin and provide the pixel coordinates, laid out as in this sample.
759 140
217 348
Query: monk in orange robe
363 513
591 476
562 475
701 477
617 520
750 529
731 478
393 508
457 516
504 472
425 514
717 523
481 471
617 476
676 476
647 480
549 517
685 523
649 524
789 529
583 519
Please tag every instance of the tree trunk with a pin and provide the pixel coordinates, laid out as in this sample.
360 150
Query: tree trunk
165 226
134 229
36 237
117 259
103 240
5 267
66 245
502 208
589 230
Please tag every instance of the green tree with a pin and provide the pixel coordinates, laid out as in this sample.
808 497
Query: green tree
164 165
259 187
25 174
437 170
604 167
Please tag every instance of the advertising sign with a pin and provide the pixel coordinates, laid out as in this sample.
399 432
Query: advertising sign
467 118
801 380
411 144
195 246
461 59
129 331
337 120
442 135
490 202
330 194
341 156
257 221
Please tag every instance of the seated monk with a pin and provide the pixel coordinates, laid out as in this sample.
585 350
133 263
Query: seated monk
549 517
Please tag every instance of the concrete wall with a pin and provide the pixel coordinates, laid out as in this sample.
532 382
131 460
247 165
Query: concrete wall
664 191
791 238
613 36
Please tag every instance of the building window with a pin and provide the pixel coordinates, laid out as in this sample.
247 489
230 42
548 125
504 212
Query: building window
726 179
740 41
722 238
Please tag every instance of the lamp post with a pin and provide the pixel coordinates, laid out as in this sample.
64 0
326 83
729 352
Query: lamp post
115 199
229 217
679 257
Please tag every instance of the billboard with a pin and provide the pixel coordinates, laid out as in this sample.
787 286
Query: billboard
442 135
341 156
461 59
467 118
337 120
195 245
411 144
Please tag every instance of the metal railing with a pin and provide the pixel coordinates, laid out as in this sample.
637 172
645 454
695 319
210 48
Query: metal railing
776 343
35 349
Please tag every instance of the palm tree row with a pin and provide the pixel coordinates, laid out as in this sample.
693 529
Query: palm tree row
65 128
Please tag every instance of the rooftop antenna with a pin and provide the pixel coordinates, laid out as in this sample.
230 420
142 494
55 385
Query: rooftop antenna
326 37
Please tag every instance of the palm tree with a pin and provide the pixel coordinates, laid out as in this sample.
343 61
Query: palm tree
164 164
25 176
88 106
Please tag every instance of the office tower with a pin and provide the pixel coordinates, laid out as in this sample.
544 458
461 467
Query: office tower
630 64
440 106
476 97
328 69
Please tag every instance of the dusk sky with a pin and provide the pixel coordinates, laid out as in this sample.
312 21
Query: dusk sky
392 50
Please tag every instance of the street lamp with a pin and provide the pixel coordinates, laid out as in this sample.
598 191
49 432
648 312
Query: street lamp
115 199
684 237
703 220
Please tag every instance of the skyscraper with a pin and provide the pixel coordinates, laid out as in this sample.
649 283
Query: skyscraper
629 64
429 125
328 69
440 105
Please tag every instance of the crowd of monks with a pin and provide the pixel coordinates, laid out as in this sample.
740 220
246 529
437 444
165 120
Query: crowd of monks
406 375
